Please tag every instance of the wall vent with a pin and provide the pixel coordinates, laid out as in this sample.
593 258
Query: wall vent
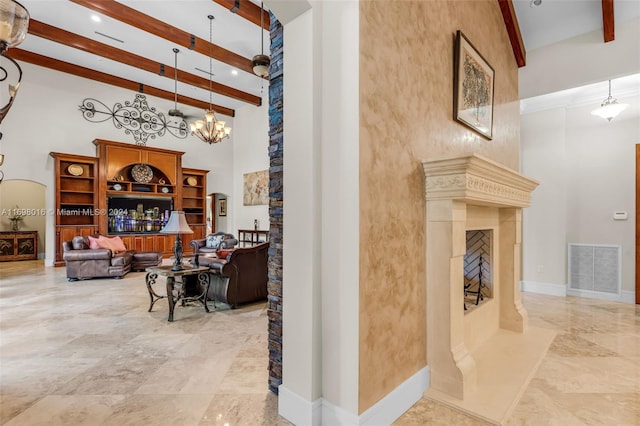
595 267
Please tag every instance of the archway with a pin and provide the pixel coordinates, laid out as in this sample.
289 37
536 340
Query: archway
27 199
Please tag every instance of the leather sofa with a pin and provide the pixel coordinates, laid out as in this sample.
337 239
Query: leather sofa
83 262
240 278
227 241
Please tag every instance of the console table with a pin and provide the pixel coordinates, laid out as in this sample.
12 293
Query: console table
18 245
175 294
252 237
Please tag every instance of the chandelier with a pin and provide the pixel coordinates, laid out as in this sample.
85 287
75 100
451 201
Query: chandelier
210 130
610 108
14 21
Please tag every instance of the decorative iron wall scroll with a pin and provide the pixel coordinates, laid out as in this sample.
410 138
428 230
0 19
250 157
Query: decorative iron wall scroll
137 118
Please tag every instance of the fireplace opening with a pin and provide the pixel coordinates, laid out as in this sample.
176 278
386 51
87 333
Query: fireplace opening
478 273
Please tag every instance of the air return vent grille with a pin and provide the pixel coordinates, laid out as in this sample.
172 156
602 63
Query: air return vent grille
595 268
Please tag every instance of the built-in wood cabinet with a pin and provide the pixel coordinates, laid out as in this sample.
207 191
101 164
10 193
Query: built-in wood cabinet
194 200
127 190
76 207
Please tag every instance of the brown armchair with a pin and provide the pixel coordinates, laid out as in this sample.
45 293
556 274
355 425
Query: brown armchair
241 277
83 262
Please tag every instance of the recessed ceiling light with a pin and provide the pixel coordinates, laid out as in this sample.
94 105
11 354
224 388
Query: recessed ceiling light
234 72
96 18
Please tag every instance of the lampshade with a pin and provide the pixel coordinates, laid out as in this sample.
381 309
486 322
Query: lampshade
177 224
14 21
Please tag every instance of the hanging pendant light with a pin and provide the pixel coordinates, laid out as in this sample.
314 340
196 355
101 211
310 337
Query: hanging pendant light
14 22
261 62
210 130
610 108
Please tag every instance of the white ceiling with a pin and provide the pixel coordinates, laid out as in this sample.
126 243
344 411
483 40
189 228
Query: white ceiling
229 31
552 21
556 20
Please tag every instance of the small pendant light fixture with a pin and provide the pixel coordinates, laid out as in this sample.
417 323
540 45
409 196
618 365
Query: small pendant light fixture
261 62
610 108
210 130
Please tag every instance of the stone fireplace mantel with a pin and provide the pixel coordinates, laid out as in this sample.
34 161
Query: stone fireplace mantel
466 193
476 180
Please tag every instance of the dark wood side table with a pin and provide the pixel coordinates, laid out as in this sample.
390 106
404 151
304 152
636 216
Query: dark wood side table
177 293
18 245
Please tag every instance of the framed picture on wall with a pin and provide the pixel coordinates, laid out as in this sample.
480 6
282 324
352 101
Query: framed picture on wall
473 83
222 207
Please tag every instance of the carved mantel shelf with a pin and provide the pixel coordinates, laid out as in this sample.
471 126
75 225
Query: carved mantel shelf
476 180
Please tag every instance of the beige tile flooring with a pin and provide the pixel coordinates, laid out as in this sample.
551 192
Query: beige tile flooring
89 353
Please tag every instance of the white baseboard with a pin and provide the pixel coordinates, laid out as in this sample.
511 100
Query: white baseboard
298 410
322 412
544 288
332 415
625 296
398 401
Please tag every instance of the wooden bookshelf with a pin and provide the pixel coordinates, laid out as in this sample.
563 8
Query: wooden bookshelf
76 213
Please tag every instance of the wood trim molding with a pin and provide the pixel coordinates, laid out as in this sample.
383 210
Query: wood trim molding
55 64
513 30
76 41
161 29
608 27
247 10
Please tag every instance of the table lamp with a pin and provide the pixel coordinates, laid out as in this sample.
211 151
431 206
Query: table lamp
177 225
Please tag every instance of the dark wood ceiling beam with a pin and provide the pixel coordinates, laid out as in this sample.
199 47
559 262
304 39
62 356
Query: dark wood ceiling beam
246 10
513 30
66 67
163 30
607 21
67 38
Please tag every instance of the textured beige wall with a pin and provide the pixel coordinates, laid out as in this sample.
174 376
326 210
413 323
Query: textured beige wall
406 103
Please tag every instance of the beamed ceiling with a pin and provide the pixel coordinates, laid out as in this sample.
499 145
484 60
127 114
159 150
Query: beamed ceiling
130 43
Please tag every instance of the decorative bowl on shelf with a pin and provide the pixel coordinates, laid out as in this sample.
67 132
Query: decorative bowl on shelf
75 170
165 189
117 187
142 173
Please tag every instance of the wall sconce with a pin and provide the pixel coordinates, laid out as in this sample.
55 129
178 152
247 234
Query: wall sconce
14 22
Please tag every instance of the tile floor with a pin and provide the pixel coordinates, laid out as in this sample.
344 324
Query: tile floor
89 353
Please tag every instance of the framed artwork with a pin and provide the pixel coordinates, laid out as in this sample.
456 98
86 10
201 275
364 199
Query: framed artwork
473 82
256 188
222 207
